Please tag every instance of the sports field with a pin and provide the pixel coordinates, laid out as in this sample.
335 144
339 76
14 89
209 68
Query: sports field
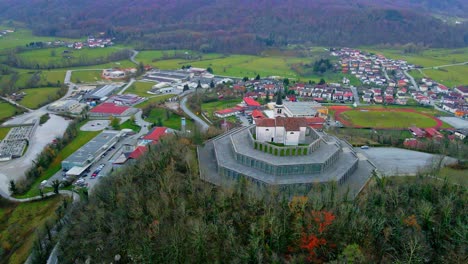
37 97
386 118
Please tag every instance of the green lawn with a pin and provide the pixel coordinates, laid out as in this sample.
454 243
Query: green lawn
18 224
37 97
386 119
63 57
426 58
454 176
219 105
130 125
4 131
154 99
82 138
7 110
86 76
235 65
140 88
450 76
174 120
22 37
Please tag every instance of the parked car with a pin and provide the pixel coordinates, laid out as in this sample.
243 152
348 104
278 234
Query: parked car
364 147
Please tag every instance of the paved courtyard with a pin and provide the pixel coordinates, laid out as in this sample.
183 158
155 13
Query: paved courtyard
455 122
395 161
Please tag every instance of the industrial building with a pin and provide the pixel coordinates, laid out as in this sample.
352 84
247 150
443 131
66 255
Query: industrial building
90 152
101 93
106 110
67 106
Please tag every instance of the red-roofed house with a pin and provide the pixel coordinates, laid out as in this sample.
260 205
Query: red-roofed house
250 103
110 109
416 131
257 114
433 133
154 135
227 112
138 152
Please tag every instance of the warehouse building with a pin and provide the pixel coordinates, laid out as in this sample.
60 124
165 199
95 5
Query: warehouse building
90 152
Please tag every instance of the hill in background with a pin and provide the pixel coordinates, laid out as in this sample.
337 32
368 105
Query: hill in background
246 26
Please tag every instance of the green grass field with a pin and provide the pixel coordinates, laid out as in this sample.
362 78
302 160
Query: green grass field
174 120
386 119
65 56
211 107
37 97
140 88
277 64
82 138
450 76
154 99
129 124
21 37
454 176
4 131
86 76
7 110
427 58
18 224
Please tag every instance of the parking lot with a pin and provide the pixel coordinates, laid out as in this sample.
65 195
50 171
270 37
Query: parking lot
95 125
396 162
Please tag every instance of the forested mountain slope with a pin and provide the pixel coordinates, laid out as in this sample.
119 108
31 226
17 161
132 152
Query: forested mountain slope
244 25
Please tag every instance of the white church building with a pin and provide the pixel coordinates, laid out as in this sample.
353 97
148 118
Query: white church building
290 131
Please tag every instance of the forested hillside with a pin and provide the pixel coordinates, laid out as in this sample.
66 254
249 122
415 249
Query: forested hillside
244 25
158 211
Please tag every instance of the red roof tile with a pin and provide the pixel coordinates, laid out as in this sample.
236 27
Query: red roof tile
156 134
251 102
109 108
257 114
138 152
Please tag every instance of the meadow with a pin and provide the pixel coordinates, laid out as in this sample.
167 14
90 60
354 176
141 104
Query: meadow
86 76
7 110
168 118
387 119
268 64
18 226
450 76
37 97
154 99
3 132
426 58
140 88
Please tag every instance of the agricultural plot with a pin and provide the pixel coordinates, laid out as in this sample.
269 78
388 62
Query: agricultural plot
37 97
235 65
140 88
386 118
86 76
48 58
22 37
450 76
426 58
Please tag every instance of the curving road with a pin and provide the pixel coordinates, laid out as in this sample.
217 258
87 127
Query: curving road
413 82
198 121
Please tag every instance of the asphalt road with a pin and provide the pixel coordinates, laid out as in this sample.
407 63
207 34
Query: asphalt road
200 123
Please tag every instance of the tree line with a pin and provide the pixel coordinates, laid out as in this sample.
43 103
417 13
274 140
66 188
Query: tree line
157 210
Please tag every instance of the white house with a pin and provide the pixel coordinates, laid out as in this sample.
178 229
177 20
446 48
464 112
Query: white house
290 131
